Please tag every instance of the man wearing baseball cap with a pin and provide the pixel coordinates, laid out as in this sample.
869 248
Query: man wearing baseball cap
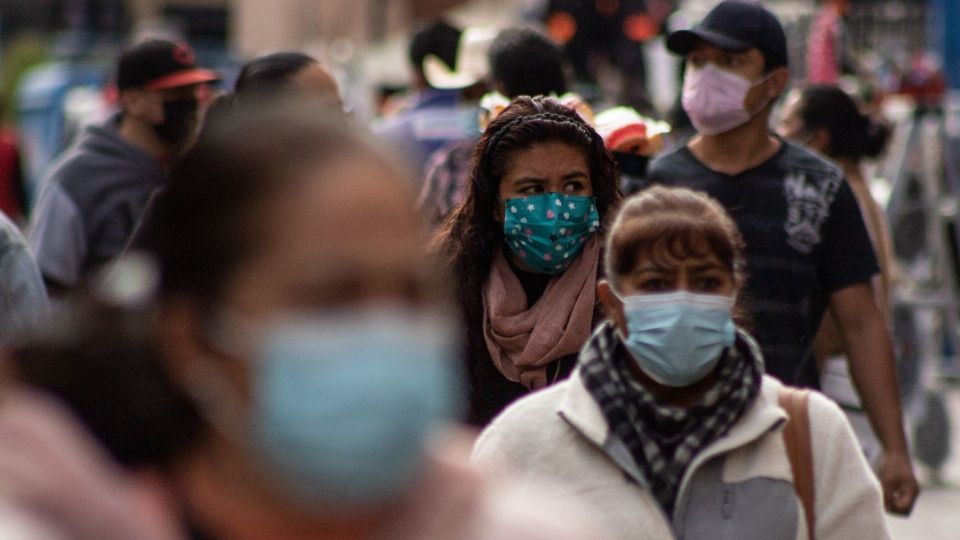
806 244
97 190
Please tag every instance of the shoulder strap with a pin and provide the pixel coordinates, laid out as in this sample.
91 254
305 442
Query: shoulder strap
796 437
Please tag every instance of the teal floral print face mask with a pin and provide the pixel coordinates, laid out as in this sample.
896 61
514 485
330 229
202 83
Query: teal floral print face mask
547 231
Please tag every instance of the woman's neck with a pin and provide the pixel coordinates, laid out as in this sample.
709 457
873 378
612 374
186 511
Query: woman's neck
851 169
226 502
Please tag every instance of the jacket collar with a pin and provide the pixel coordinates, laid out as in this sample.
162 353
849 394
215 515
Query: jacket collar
578 408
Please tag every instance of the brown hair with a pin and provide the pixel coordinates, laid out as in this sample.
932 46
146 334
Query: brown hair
676 223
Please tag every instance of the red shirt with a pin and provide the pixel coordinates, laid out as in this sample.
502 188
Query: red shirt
11 186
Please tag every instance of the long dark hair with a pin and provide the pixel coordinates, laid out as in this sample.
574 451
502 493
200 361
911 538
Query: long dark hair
525 62
853 135
469 237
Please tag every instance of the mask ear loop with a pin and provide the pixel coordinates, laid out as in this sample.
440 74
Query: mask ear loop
623 307
756 84
616 293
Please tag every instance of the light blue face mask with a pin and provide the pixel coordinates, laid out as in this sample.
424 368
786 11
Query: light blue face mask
548 231
344 403
677 338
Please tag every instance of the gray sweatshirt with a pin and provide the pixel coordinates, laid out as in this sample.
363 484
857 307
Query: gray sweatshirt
90 203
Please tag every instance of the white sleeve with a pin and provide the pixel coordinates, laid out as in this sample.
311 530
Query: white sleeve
57 238
849 501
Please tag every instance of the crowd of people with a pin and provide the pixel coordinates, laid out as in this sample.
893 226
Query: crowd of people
249 316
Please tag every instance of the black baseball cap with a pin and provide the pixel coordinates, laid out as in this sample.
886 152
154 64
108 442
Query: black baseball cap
736 25
158 64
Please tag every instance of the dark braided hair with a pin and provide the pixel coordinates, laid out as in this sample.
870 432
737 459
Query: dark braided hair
507 128
471 235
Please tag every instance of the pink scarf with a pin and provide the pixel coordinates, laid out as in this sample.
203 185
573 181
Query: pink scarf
522 340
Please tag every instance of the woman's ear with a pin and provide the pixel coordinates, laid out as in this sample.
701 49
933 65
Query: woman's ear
612 305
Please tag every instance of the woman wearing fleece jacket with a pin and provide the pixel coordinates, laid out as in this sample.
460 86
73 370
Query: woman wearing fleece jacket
668 427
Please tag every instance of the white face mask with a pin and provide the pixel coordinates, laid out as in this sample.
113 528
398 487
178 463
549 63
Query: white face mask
713 98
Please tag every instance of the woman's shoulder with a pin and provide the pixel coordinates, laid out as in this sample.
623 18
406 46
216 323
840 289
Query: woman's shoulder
531 424
530 412
463 501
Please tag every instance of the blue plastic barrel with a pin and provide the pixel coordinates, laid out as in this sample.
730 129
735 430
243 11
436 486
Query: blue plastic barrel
41 120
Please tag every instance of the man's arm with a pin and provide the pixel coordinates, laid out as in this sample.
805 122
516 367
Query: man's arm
873 369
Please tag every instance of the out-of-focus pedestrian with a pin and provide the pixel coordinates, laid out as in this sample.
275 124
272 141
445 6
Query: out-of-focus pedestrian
668 427
828 46
300 310
96 193
436 115
523 62
287 71
828 120
524 248
286 68
269 78
605 43
807 247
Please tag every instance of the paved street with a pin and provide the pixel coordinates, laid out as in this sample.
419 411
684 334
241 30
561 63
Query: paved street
937 514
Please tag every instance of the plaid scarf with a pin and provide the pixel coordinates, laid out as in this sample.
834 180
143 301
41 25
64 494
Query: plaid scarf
662 439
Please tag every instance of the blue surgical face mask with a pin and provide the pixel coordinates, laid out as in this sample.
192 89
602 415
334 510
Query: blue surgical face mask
548 231
344 403
677 338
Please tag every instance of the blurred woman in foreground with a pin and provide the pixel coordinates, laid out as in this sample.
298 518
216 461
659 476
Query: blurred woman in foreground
300 311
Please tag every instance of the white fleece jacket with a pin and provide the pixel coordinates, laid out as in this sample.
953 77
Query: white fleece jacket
739 487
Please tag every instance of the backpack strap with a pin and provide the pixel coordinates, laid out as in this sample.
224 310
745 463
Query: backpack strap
796 437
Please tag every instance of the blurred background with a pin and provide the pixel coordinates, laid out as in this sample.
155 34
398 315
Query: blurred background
902 58
56 56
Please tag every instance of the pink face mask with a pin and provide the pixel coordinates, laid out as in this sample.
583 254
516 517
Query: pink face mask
713 98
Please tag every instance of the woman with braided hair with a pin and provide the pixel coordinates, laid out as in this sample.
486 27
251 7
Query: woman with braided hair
525 246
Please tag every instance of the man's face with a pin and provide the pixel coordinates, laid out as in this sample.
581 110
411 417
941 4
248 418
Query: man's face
748 64
172 113
147 105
